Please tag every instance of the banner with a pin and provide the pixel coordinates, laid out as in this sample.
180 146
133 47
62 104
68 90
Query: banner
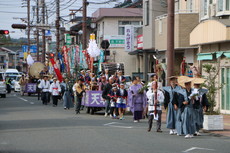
65 51
57 71
129 38
62 65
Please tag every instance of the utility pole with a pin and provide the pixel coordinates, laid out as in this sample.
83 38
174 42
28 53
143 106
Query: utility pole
57 26
170 39
43 32
37 36
84 24
28 24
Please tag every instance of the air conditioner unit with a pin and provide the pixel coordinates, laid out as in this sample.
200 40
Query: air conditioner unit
212 10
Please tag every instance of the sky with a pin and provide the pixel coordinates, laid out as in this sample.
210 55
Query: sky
12 10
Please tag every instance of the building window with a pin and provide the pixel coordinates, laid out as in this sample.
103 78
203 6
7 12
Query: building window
223 5
204 9
122 24
146 15
2 59
189 5
225 96
220 5
160 26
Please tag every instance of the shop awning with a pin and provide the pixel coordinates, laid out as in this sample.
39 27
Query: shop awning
210 31
209 56
204 56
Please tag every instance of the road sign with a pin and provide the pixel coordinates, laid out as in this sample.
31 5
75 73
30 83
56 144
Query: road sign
115 40
67 39
33 48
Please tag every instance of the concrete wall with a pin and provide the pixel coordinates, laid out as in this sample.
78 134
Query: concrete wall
149 30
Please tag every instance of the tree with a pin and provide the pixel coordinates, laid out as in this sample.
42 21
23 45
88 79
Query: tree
212 71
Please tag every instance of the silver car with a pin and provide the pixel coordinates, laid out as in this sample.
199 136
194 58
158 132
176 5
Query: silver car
2 85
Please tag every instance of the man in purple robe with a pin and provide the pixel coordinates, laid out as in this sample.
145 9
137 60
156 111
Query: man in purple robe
137 100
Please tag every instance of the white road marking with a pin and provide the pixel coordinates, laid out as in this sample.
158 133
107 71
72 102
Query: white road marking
4 143
23 99
117 126
197 148
32 103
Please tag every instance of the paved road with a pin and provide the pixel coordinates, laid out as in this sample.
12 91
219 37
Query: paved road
26 126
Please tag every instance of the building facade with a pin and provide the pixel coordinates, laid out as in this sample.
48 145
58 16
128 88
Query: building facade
111 23
212 36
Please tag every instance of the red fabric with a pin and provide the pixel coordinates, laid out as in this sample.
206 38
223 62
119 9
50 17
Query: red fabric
57 71
65 51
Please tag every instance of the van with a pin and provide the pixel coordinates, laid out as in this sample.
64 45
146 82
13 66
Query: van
2 85
13 74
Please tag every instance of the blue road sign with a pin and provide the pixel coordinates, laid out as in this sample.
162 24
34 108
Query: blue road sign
33 48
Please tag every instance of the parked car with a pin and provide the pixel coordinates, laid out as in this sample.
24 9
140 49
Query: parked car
2 85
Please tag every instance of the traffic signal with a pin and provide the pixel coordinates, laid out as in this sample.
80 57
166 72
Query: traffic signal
4 32
19 26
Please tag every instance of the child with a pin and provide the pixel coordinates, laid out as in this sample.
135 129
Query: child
155 105
121 101
113 94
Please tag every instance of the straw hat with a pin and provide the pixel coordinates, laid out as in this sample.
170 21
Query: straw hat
184 79
172 77
198 81
54 78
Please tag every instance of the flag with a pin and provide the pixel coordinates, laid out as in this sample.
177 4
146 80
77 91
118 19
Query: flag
57 71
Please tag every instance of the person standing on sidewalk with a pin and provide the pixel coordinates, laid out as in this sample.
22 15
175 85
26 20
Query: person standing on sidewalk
155 105
22 83
44 86
79 88
172 109
55 90
105 96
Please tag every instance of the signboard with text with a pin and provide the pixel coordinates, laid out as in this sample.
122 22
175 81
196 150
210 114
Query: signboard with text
93 99
116 41
140 42
129 38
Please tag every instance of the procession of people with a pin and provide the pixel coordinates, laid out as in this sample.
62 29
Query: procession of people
184 100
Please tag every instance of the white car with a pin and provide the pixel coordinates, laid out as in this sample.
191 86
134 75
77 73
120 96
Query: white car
17 87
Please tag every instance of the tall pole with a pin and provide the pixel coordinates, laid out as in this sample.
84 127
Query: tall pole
84 24
57 26
43 32
28 24
37 37
170 39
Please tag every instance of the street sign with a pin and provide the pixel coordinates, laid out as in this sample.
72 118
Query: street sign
129 38
116 41
67 39
33 48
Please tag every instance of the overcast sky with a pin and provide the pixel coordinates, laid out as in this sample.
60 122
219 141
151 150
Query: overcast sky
10 9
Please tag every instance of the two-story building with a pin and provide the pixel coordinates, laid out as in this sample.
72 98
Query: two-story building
186 19
111 23
212 36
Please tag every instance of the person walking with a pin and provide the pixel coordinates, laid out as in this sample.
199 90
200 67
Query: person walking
105 96
137 100
79 88
55 90
22 82
172 108
113 94
44 86
154 106
67 94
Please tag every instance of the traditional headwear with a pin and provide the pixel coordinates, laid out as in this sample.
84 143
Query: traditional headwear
198 81
172 77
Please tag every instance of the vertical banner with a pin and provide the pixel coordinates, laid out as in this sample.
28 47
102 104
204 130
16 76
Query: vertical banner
62 65
57 71
101 60
129 38
65 51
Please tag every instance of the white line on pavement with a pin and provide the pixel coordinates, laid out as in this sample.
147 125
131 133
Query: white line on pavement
117 126
197 148
23 99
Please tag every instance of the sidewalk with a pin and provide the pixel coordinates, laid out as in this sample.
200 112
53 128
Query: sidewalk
225 132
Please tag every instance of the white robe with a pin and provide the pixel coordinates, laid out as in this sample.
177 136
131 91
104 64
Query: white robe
55 88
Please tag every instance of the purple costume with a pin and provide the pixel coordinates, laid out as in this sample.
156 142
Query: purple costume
137 102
